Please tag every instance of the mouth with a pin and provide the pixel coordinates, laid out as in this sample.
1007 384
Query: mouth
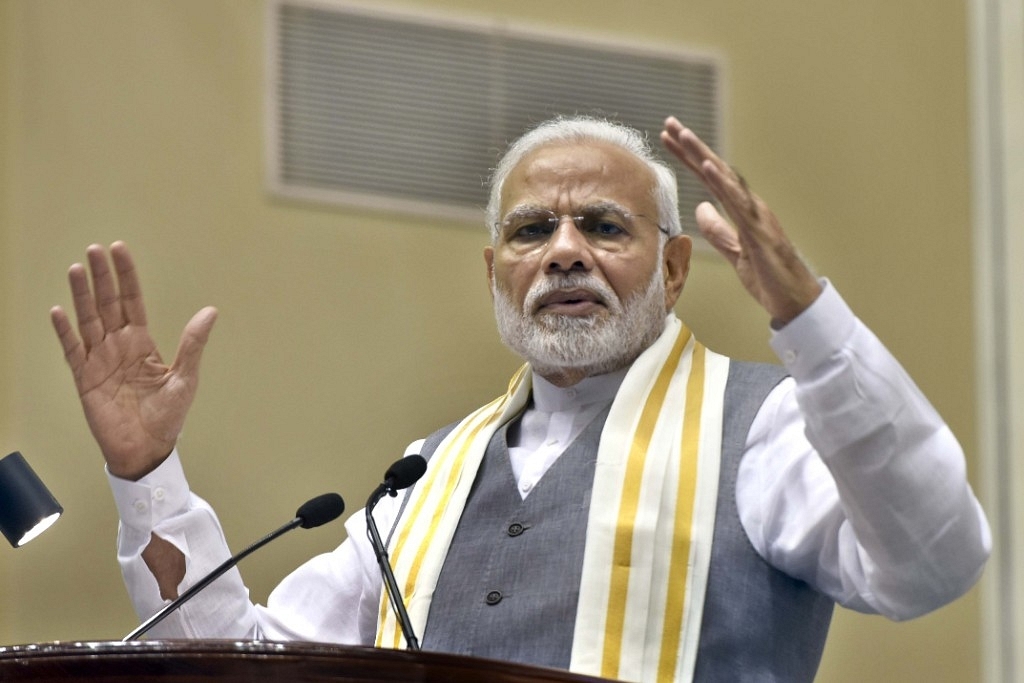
570 302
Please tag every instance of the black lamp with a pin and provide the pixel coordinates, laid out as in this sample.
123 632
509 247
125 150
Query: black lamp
27 508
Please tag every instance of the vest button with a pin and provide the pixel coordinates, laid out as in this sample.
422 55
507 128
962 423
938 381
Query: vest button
515 529
493 598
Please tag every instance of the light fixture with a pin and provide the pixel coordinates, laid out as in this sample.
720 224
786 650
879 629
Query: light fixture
27 508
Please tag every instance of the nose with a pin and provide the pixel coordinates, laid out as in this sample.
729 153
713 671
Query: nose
568 249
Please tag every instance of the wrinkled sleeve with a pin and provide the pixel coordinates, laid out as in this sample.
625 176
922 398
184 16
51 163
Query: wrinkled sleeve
161 503
851 481
333 597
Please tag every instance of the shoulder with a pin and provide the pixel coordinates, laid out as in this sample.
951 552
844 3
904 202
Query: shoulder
431 443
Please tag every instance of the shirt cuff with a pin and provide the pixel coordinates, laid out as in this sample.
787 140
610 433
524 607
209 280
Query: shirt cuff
161 494
812 337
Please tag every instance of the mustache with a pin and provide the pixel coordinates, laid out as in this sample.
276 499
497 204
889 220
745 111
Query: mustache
570 281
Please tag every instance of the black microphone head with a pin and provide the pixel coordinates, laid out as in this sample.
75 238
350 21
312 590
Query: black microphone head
320 510
405 472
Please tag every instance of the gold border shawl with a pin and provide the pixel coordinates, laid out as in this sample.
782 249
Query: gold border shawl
650 523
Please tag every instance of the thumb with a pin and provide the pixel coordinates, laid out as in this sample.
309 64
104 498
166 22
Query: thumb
718 232
193 341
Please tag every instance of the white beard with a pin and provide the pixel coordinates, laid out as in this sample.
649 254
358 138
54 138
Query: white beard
594 344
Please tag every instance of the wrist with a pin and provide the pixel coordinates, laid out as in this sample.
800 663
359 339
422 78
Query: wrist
136 468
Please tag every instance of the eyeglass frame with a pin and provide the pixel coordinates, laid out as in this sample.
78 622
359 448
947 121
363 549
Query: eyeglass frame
554 219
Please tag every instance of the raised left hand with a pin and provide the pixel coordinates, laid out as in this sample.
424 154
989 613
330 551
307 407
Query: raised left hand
765 260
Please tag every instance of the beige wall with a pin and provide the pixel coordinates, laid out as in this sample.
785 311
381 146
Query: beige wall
346 334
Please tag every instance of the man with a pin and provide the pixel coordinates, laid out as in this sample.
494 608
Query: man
635 506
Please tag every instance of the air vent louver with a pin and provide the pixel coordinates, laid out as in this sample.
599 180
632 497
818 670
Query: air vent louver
401 113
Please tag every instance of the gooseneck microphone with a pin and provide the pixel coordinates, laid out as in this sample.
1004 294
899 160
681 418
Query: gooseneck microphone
402 474
313 513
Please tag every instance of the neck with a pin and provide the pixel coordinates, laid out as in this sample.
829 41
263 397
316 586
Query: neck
570 376
565 378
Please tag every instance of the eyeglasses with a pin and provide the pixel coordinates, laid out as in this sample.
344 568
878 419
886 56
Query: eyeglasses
600 222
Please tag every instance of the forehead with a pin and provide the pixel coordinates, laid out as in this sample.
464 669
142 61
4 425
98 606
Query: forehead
566 176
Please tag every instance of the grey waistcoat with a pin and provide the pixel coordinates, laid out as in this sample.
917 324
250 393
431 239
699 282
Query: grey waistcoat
509 587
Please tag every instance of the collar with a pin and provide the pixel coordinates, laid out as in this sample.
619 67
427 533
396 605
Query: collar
549 398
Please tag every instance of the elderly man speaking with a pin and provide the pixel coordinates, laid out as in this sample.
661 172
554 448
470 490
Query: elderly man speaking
634 506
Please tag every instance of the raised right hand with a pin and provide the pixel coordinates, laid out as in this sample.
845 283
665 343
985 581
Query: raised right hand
134 403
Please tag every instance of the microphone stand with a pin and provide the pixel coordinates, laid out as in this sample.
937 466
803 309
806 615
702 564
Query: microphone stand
313 513
208 579
391 586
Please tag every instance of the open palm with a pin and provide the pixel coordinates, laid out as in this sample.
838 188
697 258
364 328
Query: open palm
135 404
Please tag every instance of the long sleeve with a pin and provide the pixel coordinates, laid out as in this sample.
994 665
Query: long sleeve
161 503
333 597
852 482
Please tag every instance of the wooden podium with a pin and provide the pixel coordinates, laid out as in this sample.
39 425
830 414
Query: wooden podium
228 661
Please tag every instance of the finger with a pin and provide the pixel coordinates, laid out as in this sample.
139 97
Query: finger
90 327
721 180
750 214
193 341
717 231
128 284
108 304
74 352
689 148
752 218
670 138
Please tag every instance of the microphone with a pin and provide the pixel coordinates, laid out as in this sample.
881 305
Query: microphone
402 474
313 513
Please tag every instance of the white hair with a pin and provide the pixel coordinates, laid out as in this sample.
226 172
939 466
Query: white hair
582 129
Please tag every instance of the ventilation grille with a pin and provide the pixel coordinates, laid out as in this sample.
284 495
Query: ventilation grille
409 115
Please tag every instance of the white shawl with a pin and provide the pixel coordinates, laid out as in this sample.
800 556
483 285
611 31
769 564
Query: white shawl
650 524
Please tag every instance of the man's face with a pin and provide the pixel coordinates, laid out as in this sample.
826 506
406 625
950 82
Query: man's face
590 296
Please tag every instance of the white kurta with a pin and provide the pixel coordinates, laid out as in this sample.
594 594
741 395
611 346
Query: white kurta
850 481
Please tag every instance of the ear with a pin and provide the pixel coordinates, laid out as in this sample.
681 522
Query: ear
489 260
675 267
